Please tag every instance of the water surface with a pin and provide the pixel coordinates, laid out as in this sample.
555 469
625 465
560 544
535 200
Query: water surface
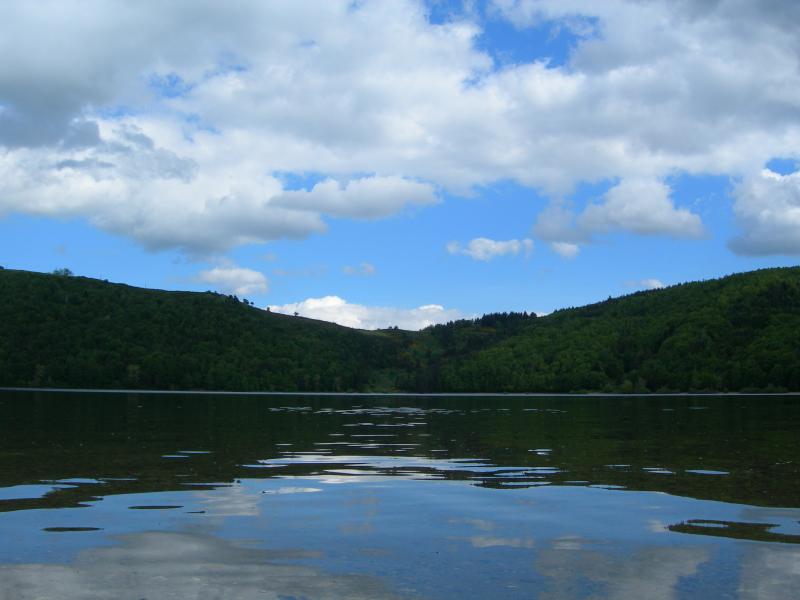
206 496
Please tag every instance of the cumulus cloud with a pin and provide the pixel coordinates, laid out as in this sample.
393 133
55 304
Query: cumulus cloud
485 249
646 284
169 135
338 310
767 209
641 206
134 187
367 198
235 280
565 249
651 284
365 269
556 224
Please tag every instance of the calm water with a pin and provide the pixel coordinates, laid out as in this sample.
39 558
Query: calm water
198 496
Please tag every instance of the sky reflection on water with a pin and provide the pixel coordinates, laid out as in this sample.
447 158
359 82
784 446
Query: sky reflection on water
445 498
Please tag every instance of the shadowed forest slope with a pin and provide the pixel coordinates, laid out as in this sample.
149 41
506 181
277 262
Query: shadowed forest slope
737 333
78 332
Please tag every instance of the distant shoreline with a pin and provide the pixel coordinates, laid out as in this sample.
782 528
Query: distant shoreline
397 394
62 332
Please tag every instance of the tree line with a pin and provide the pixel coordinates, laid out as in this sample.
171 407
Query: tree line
737 333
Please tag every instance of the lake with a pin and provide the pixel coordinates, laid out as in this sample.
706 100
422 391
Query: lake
224 496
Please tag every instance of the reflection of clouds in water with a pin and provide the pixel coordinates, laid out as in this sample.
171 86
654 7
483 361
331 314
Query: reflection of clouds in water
569 542
232 501
362 528
485 541
656 526
241 501
768 514
491 541
336 479
649 573
372 464
292 490
481 524
770 571
179 565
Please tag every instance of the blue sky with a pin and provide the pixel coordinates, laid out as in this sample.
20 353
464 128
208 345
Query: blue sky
381 157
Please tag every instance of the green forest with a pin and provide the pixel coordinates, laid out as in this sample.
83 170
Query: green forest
736 333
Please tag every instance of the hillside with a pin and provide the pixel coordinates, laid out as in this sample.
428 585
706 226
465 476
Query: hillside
79 332
736 333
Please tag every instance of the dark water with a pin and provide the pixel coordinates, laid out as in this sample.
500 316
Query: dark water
148 496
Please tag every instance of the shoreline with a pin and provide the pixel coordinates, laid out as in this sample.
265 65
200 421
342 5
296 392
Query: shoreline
399 394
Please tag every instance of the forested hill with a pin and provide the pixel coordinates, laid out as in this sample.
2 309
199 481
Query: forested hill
738 333
58 330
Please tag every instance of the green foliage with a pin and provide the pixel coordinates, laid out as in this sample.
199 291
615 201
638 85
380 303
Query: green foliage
738 333
78 332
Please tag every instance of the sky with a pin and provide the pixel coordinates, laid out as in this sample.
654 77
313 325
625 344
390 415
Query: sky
403 162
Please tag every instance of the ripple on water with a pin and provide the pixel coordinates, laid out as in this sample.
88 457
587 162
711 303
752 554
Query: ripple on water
70 529
29 491
658 470
79 481
292 490
763 532
707 472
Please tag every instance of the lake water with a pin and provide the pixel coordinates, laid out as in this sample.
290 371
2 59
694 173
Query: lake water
220 496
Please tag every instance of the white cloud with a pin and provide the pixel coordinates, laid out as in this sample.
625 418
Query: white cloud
565 249
453 247
651 284
365 269
157 198
367 198
338 310
641 206
235 280
170 135
485 249
767 209
556 224
647 284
